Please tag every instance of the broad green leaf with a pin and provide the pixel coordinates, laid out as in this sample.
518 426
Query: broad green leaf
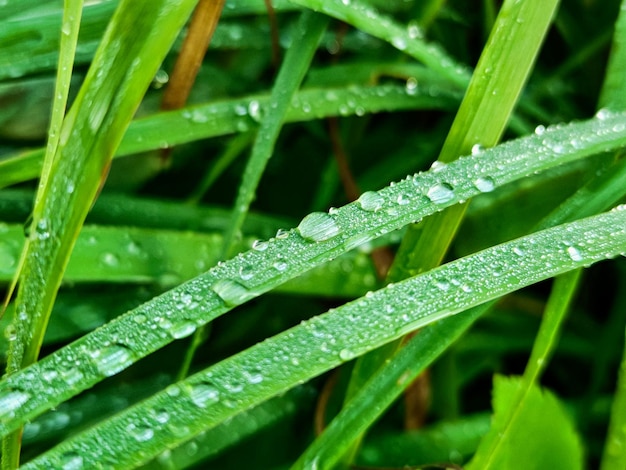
543 435
218 393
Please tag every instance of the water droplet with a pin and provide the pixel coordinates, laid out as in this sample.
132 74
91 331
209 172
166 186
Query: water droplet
71 375
42 231
254 376
603 114
182 329
204 394
518 251
403 200
259 245
246 272
161 416
346 355
437 166
282 233
371 201
141 433
71 461
414 30
574 253
318 227
11 401
485 184
442 284
399 43
540 129
232 292
440 193
254 110
199 117
110 259
112 359
411 85
477 149
280 265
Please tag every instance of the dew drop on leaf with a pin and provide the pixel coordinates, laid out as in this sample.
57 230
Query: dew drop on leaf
370 201
485 184
71 461
182 329
318 227
204 394
574 253
232 292
440 193
346 355
140 433
112 359
10 401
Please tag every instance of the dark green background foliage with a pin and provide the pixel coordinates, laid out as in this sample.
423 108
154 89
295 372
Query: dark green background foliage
233 275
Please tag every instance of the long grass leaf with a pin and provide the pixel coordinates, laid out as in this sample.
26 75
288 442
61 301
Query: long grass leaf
232 116
318 238
208 398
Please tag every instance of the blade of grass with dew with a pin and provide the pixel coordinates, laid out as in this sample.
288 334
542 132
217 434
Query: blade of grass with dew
390 380
231 116
72 12
11 445
240 428
218 393
496 444
319 238
91 131
496 84
292 71
407 40
147 256
310 28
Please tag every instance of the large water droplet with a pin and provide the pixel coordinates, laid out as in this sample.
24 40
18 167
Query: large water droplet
204 394
182 329
232 292
371 201
440 193
485 184
574 253
318 227
112 359
346 355
10 401
140 432
254 110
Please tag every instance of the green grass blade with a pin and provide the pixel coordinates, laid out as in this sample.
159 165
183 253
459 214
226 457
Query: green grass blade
406 39
231 116
297 61
93 128
383 387
69 35
496 84
612 94
208 398
319 238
